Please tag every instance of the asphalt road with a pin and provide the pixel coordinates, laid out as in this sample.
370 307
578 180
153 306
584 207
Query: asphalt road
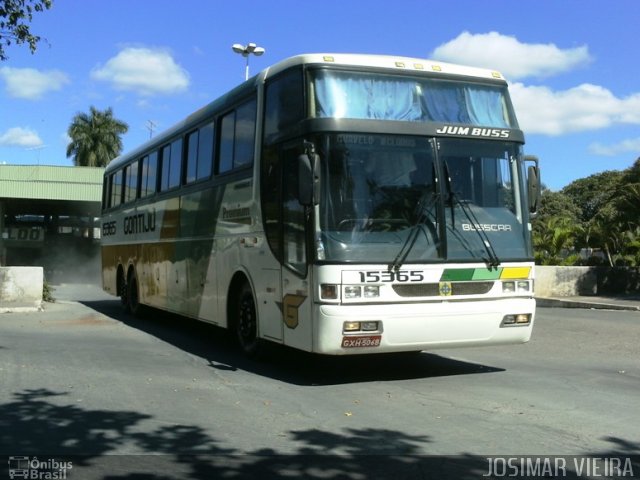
82 379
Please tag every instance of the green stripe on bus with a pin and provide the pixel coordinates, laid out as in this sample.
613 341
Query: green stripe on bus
486 274
468 274
457 274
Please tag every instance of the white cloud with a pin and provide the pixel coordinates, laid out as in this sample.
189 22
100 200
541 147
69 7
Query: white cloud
515 60
31 84
585 107
20 137
143 70
631 145
65 138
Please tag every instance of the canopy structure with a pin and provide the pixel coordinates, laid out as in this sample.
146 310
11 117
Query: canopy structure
49 214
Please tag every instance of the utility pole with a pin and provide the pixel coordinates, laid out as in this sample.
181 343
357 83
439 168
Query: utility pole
151 126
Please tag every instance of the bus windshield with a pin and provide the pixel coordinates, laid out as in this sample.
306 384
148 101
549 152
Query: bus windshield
359 95
484 209
382 194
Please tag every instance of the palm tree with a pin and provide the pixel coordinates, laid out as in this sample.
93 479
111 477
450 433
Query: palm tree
556 243
95 138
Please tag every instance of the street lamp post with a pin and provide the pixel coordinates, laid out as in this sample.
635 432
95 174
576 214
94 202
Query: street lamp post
245 51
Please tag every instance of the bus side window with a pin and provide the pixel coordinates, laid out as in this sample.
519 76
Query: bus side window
237 137
245 135
176 163
164 168
205 150
192 157
199 153
227 129
106 192
148 174
131 179
152 173
116 188
171 165
284 103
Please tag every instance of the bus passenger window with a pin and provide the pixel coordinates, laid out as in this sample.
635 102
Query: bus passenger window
245 134
237 137
205 151
131 186
149 175
152 178
227 128
284 103
166 157
192 156
176 163
199 153
116 189
171 164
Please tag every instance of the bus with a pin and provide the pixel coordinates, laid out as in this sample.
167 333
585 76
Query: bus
338 204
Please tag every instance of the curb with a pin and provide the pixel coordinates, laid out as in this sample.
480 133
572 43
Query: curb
593 305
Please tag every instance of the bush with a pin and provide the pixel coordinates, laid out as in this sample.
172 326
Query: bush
47 292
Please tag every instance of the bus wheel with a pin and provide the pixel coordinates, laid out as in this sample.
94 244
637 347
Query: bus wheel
246 322
133 295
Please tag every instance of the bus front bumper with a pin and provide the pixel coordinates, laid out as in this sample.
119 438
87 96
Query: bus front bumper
421 326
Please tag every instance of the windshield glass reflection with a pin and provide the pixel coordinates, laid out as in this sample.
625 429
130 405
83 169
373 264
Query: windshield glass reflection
375 191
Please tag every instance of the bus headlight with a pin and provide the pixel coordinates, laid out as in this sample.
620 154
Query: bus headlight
371 291
328 291
352 291
351 326
366 326
369 326
518 319
519 286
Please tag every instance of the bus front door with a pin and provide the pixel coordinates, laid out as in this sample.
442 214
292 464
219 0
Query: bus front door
296 294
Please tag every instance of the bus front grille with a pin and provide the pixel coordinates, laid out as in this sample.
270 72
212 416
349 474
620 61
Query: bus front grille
438 290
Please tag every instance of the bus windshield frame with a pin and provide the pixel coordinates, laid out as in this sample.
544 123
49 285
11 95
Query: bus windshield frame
443 200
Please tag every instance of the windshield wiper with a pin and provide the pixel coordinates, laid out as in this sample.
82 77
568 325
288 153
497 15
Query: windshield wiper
419 226
493 261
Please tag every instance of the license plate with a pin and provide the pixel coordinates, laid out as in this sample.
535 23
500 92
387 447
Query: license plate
359 342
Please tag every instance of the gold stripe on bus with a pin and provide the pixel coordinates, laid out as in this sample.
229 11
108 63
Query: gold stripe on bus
514 273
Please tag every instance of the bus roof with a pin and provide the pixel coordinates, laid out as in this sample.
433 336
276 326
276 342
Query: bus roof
395 63
383 61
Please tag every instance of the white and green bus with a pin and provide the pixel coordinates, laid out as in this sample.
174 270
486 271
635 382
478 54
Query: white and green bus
338 204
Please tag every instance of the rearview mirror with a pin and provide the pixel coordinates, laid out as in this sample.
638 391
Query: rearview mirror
533 182
308 179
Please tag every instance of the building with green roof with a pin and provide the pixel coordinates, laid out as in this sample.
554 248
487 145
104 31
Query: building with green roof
49 216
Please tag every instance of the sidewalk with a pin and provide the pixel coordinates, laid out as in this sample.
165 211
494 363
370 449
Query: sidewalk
621 302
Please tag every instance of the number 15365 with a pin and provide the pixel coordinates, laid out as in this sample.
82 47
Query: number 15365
389 276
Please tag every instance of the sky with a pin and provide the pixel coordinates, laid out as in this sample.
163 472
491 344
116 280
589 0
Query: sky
573 67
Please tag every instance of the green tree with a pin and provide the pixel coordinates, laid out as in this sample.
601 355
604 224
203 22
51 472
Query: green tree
556 229
593 193
556 244
627 200
95 138
554 204
632 174
598 212
15 16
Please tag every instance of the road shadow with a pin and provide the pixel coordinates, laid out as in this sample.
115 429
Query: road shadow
217 347
53 428
49 425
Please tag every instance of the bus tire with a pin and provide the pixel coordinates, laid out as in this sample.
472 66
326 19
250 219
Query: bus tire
246 322
133 293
